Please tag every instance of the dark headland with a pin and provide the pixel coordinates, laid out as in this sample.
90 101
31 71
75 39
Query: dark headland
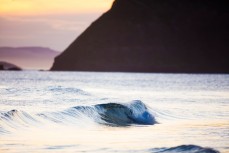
187 36
8 66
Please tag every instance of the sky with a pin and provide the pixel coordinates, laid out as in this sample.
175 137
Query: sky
53 23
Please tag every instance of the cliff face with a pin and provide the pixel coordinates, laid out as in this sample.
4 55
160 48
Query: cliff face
153 36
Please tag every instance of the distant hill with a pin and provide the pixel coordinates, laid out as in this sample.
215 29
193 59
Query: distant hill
185 36
29 57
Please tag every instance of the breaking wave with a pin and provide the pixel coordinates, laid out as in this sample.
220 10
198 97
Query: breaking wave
112 114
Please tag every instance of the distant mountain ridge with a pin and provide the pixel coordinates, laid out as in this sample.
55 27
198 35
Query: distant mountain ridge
185 36
29 57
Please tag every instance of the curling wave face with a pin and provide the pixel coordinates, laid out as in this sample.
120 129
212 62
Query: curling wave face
135 112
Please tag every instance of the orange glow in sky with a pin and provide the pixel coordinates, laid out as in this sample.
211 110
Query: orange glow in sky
48 23
42 7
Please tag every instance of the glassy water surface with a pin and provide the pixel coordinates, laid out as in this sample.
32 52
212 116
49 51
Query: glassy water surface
113 112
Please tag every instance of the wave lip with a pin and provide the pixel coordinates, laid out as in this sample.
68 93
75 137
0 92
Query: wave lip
185 149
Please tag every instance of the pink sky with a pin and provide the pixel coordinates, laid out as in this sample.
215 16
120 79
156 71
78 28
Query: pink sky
54 23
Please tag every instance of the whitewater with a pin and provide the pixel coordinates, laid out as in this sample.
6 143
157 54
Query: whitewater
70 112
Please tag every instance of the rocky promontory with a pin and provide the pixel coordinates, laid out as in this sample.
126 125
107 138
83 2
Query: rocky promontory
185 36
8 66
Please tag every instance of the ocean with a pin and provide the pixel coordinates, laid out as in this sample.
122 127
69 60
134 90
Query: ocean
73 112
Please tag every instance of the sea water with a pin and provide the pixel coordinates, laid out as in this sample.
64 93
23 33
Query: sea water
113 112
